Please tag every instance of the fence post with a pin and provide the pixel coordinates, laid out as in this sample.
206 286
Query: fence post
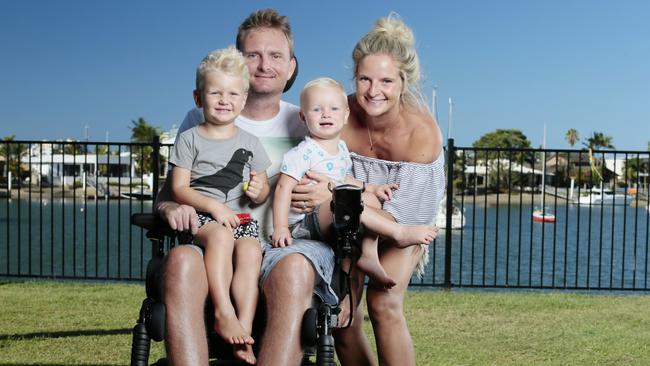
451 153
155 162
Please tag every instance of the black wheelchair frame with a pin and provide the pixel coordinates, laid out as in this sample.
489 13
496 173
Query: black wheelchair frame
318 321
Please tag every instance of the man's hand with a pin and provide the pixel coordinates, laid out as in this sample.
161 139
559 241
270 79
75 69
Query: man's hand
179 217
311 191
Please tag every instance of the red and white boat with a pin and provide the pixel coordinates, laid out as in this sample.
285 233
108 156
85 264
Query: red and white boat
543 216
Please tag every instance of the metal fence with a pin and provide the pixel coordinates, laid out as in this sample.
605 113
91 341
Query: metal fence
65 209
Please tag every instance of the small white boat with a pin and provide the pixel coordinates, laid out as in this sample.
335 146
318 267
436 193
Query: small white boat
607 197
138 195
457 216
543 214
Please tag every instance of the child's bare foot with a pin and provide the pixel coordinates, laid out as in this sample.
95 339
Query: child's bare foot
375 271
229 328
244 352
408 235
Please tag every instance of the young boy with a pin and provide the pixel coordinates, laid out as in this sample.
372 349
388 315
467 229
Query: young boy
324 109
217 165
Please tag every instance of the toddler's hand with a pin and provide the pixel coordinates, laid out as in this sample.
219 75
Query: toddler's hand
253 188
385 191
225 216
281 237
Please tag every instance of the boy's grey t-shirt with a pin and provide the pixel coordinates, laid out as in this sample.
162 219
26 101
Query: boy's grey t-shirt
219 167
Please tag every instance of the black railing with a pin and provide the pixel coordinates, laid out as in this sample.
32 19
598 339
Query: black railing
65 209
599 237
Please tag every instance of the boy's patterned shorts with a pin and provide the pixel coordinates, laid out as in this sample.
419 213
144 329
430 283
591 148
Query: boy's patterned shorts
250 228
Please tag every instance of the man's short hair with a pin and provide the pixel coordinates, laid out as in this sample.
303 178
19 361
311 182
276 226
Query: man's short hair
265 18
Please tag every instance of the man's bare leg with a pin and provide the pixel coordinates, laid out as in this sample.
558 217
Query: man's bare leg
288 291
247 258
185 292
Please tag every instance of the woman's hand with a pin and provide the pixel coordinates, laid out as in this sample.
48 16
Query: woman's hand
281 237
311 191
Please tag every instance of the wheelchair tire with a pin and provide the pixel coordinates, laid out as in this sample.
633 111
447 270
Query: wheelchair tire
156 321
310 327
140 345
154 279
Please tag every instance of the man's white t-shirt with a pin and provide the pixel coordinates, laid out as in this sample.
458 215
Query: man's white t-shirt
278 135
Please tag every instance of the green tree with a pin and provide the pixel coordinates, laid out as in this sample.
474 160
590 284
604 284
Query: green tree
599 140
506 139
143 132
634 169
572 136
513 147
13 151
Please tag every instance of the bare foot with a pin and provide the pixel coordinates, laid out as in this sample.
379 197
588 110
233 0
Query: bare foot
408 235
376 272
244 352
229 328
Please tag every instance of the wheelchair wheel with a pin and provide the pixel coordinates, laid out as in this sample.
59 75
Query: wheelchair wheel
156 321
309 327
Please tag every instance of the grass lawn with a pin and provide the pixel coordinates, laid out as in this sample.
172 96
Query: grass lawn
61 323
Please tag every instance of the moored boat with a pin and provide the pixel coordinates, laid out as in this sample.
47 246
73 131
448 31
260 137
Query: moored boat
541 215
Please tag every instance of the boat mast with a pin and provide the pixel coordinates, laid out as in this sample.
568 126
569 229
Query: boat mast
544 170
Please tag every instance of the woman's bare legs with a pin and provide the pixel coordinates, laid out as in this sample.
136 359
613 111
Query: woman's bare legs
247 259
352 345
386 312
385 307
219 243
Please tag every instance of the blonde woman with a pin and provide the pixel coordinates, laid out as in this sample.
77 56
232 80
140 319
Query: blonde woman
393 138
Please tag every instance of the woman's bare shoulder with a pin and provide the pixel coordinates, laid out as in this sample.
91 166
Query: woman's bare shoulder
426 137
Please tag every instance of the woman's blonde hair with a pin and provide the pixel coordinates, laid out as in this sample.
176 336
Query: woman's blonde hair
228 61
391 36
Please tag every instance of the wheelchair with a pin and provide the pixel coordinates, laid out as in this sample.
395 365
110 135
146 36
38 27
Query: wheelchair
318 321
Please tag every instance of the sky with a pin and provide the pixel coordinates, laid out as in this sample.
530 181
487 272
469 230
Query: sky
74 67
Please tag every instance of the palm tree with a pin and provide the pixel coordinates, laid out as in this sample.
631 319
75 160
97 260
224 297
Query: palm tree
12 152
572 136
599 140
143 132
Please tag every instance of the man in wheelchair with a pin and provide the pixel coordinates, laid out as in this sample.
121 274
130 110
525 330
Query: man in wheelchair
290 277
318 321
